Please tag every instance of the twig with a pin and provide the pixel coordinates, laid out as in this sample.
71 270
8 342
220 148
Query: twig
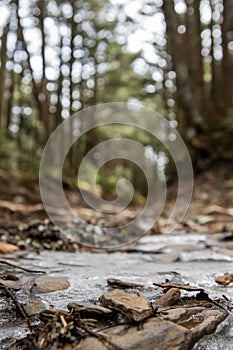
19 307
20 267
179 286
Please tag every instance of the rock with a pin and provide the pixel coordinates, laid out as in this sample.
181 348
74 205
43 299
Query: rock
116 283
154 334
90 310
34 307
169 298
91 343
10 284
198 320
132 305
47 284
177 329
210 321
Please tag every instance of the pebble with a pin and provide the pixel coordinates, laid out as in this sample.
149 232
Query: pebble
47 284
34 307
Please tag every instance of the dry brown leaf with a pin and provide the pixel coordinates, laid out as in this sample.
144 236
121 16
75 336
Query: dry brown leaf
225 279
220 210
7 248
21 207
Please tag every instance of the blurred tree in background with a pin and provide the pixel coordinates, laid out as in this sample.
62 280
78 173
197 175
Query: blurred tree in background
58 57
200 43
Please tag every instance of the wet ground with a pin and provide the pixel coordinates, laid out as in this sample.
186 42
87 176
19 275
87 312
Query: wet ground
197 254
196 259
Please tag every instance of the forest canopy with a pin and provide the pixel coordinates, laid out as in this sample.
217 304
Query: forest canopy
58 57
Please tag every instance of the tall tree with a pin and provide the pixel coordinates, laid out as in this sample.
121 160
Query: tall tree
3 59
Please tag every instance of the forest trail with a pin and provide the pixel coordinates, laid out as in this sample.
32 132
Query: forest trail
197 253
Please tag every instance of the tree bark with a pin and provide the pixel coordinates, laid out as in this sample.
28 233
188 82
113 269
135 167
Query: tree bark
176 48
3 58
226 64
43 94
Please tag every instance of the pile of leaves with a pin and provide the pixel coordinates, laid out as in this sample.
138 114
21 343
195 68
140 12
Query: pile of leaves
36 236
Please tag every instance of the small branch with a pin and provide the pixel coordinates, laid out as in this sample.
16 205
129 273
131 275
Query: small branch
19 307
20 268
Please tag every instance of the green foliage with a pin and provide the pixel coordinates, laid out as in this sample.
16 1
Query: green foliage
9 152
108 177
13 156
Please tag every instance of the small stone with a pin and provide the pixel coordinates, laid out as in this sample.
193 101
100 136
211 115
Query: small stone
34 307
10 284
116 283
178 329
47 284
169 298
132 305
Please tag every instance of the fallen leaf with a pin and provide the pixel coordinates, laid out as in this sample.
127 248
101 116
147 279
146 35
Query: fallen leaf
8 248
220 210
21 207
204 219
225 279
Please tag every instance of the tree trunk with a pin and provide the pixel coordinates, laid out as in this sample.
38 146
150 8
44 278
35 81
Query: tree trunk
226 64
43 94
3 73
199 71
176 48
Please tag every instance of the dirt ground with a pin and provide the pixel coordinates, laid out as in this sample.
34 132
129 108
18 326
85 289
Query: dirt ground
176 260
211 208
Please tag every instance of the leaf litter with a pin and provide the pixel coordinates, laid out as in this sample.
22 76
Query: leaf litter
123 319
113 325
